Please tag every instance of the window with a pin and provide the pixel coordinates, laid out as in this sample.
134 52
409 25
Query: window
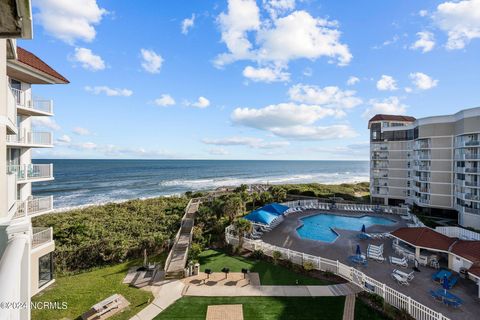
45 269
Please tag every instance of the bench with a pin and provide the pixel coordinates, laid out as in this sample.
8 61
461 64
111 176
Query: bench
103 307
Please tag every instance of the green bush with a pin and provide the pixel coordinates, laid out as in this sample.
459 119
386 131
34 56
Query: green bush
308 266
276 256
257 255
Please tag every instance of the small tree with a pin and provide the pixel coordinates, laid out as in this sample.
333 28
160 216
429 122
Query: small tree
279 194
265 197
255 197
308 266
242 226
276 256
233 207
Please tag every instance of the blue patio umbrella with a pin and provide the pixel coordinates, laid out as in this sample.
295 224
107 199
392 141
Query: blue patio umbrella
358 252
363 228
445 283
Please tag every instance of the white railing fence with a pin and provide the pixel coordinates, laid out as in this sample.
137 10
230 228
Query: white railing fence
31 171
349 206
41 235
33 206
25 100
457 232
391 296
26 137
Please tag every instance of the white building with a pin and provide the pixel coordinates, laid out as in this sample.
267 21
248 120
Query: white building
26 265
432 163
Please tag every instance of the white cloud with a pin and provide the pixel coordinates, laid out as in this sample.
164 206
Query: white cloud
251 142
309 37
460 20
332 97
391 105
265 74
425 41
423 81
218 151
408 89
300 132
64 139
386 83
45 122
165 100
111 92
88 145
423 13
201 103
187 24
151 61
88 59
352 80
81 131
69 20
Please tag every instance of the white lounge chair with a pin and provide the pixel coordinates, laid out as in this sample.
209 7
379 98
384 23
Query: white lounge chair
399 262
408 276
401 280
375 256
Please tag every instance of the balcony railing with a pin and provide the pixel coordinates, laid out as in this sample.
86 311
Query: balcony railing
41 235
424 201
471 210
34 207
469 143
474 184
31 139
26 172
24 100
474 197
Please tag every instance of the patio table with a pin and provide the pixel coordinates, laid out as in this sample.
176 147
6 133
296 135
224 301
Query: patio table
441 274
448 298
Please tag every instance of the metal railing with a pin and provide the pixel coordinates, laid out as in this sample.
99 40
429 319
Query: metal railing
31 171
31 138
34 206
457 232
41 235
24 100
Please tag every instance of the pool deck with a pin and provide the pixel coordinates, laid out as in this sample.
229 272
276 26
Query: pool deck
285 235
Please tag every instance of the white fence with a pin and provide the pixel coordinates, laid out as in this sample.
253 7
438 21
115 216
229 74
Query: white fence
41 235
349 207
457 232
391 296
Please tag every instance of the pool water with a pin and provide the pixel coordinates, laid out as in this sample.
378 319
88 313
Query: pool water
318 227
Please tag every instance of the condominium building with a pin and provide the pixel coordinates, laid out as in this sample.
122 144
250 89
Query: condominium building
26 265
432 163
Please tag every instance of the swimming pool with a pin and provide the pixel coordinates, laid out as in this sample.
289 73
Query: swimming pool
319 227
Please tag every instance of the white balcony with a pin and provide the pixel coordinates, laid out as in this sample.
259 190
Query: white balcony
423 201
469 143
32 106
31 172
41 235
11 114
30 140
471 170
33 207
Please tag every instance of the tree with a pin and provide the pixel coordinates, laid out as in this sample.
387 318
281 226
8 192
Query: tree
233 207
255 197
265 197
241 226
279 194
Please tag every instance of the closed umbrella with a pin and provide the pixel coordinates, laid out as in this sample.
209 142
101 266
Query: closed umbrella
358 252
445 283
363 228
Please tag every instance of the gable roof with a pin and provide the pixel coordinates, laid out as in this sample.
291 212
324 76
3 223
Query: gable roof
35 62
424 237
391 117
467 249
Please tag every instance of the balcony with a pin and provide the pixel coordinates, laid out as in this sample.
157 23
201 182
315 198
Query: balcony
469 143
468 156
473 170
11 114
423 156
41 235
33 207
31 172
423 201
32 107
472 184
421 178
421 145
30 140
379 157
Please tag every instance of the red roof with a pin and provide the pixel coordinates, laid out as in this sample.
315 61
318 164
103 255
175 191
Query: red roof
391 117
467 249
35 62
424 237
475 270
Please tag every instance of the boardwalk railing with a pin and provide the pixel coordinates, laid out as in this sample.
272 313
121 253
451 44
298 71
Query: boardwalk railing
457 232
347 206
391 296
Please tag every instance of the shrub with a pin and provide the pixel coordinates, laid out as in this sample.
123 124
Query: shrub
257 254
276 256
308 266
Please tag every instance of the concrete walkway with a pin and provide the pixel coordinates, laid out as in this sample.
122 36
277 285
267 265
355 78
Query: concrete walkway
349 308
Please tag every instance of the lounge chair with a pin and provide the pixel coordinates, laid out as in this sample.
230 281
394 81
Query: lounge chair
375 256
400 280
408 276
399 262
436 296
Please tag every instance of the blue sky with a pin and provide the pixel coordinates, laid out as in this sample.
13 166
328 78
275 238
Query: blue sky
245 79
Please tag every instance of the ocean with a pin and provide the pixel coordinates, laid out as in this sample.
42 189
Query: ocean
84 182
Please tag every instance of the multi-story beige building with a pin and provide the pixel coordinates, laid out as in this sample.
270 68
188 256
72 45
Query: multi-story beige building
432 163
26 265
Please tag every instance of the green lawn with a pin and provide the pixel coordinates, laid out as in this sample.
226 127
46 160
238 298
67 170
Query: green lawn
364 311
83 290
254 308
270 274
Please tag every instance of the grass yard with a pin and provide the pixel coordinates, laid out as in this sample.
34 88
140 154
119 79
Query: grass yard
270 274
254 308
81 291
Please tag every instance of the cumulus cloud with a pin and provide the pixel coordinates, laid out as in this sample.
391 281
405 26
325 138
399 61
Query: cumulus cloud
165 100
340 131
352 80
425 42
45 122
81 131
387 83
151 61
201 103
64 139
69 20
423 13
187 24
251 142
265 74
309 37
88 59
422 81
391 105
111 92
460 20
332 97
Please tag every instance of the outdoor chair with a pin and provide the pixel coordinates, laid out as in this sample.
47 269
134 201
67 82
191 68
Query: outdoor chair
399 262
399 279
376 256
408 276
